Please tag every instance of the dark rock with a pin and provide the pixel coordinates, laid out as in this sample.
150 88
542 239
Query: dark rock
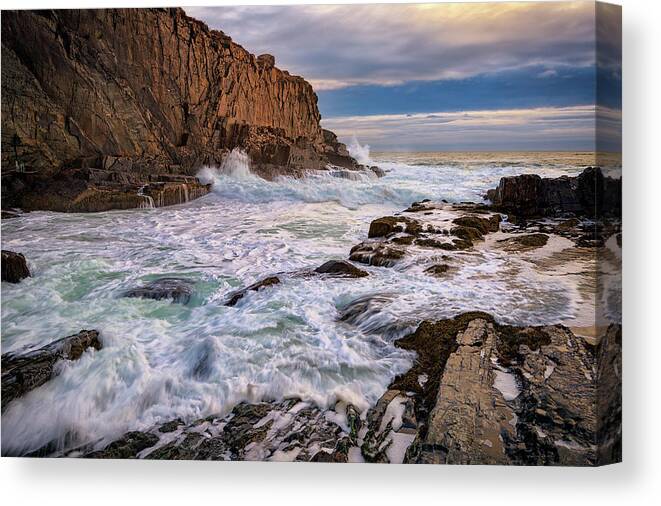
526 241
27 371
178 289
590 194
484 225
14 267
382 227
127 447
438 270
377 254
341 268
239 294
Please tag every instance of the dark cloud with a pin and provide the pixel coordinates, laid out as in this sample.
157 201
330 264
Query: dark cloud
340 45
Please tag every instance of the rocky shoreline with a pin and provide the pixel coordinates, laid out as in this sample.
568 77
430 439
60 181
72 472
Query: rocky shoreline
478 391
119 109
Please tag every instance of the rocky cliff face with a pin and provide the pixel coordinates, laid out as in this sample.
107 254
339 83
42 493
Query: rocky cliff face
121 95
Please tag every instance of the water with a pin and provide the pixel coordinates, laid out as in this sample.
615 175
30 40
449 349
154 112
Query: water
162 360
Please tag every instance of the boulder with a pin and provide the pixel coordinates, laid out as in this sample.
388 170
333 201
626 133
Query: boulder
341 268
14 267
26 371
590 194
178 289
382 227
376 253
239 294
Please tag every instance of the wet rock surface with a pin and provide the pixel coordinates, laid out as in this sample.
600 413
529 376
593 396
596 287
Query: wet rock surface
22 372
341 268
178 289
239 294
478 393
14 267
589 194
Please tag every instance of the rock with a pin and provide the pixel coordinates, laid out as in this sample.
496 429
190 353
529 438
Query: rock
14 267
377 254
127 447
302 433
609 396
173 94
470 418
27 371
525 241
483 225
387 225
239 294
178 289
590 194
438 270
341 268
484 393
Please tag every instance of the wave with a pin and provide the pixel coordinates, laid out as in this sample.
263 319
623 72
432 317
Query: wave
351 189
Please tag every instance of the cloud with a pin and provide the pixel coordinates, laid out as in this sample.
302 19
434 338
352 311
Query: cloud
548 73
336 46
551 128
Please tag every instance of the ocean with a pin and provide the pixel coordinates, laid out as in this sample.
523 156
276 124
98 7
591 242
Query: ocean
163 360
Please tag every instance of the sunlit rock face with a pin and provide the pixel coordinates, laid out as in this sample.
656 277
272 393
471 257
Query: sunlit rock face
139 92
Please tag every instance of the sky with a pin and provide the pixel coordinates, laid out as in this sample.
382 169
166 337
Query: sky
453 76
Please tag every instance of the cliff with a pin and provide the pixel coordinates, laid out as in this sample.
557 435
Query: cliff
96 100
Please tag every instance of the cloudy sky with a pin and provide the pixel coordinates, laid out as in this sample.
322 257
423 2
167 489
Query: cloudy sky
481 76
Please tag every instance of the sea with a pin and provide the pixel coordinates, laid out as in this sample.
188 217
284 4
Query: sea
164 360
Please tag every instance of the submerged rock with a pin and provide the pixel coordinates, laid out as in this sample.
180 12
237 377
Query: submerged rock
27 371
14 267
239 294
178 289
341 268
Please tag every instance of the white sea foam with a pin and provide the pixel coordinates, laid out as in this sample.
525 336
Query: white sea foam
162 360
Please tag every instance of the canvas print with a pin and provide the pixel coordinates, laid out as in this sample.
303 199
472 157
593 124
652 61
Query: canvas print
315 233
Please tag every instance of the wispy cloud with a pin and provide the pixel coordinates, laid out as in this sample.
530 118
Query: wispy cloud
336 46
550 128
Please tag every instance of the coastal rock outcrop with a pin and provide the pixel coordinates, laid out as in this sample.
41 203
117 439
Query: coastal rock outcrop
22 372
590 193
236 296
98 102
178 289
14 267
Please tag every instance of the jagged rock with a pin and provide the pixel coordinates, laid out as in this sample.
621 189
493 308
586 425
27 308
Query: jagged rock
14 267
287 430
590 193
470 419
27 371
239 294
387 225
525 241
178 289
438 270
481 393
127 447
378 254
341 268
609 396
173 96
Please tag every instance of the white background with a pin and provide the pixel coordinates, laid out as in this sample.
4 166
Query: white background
636 481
